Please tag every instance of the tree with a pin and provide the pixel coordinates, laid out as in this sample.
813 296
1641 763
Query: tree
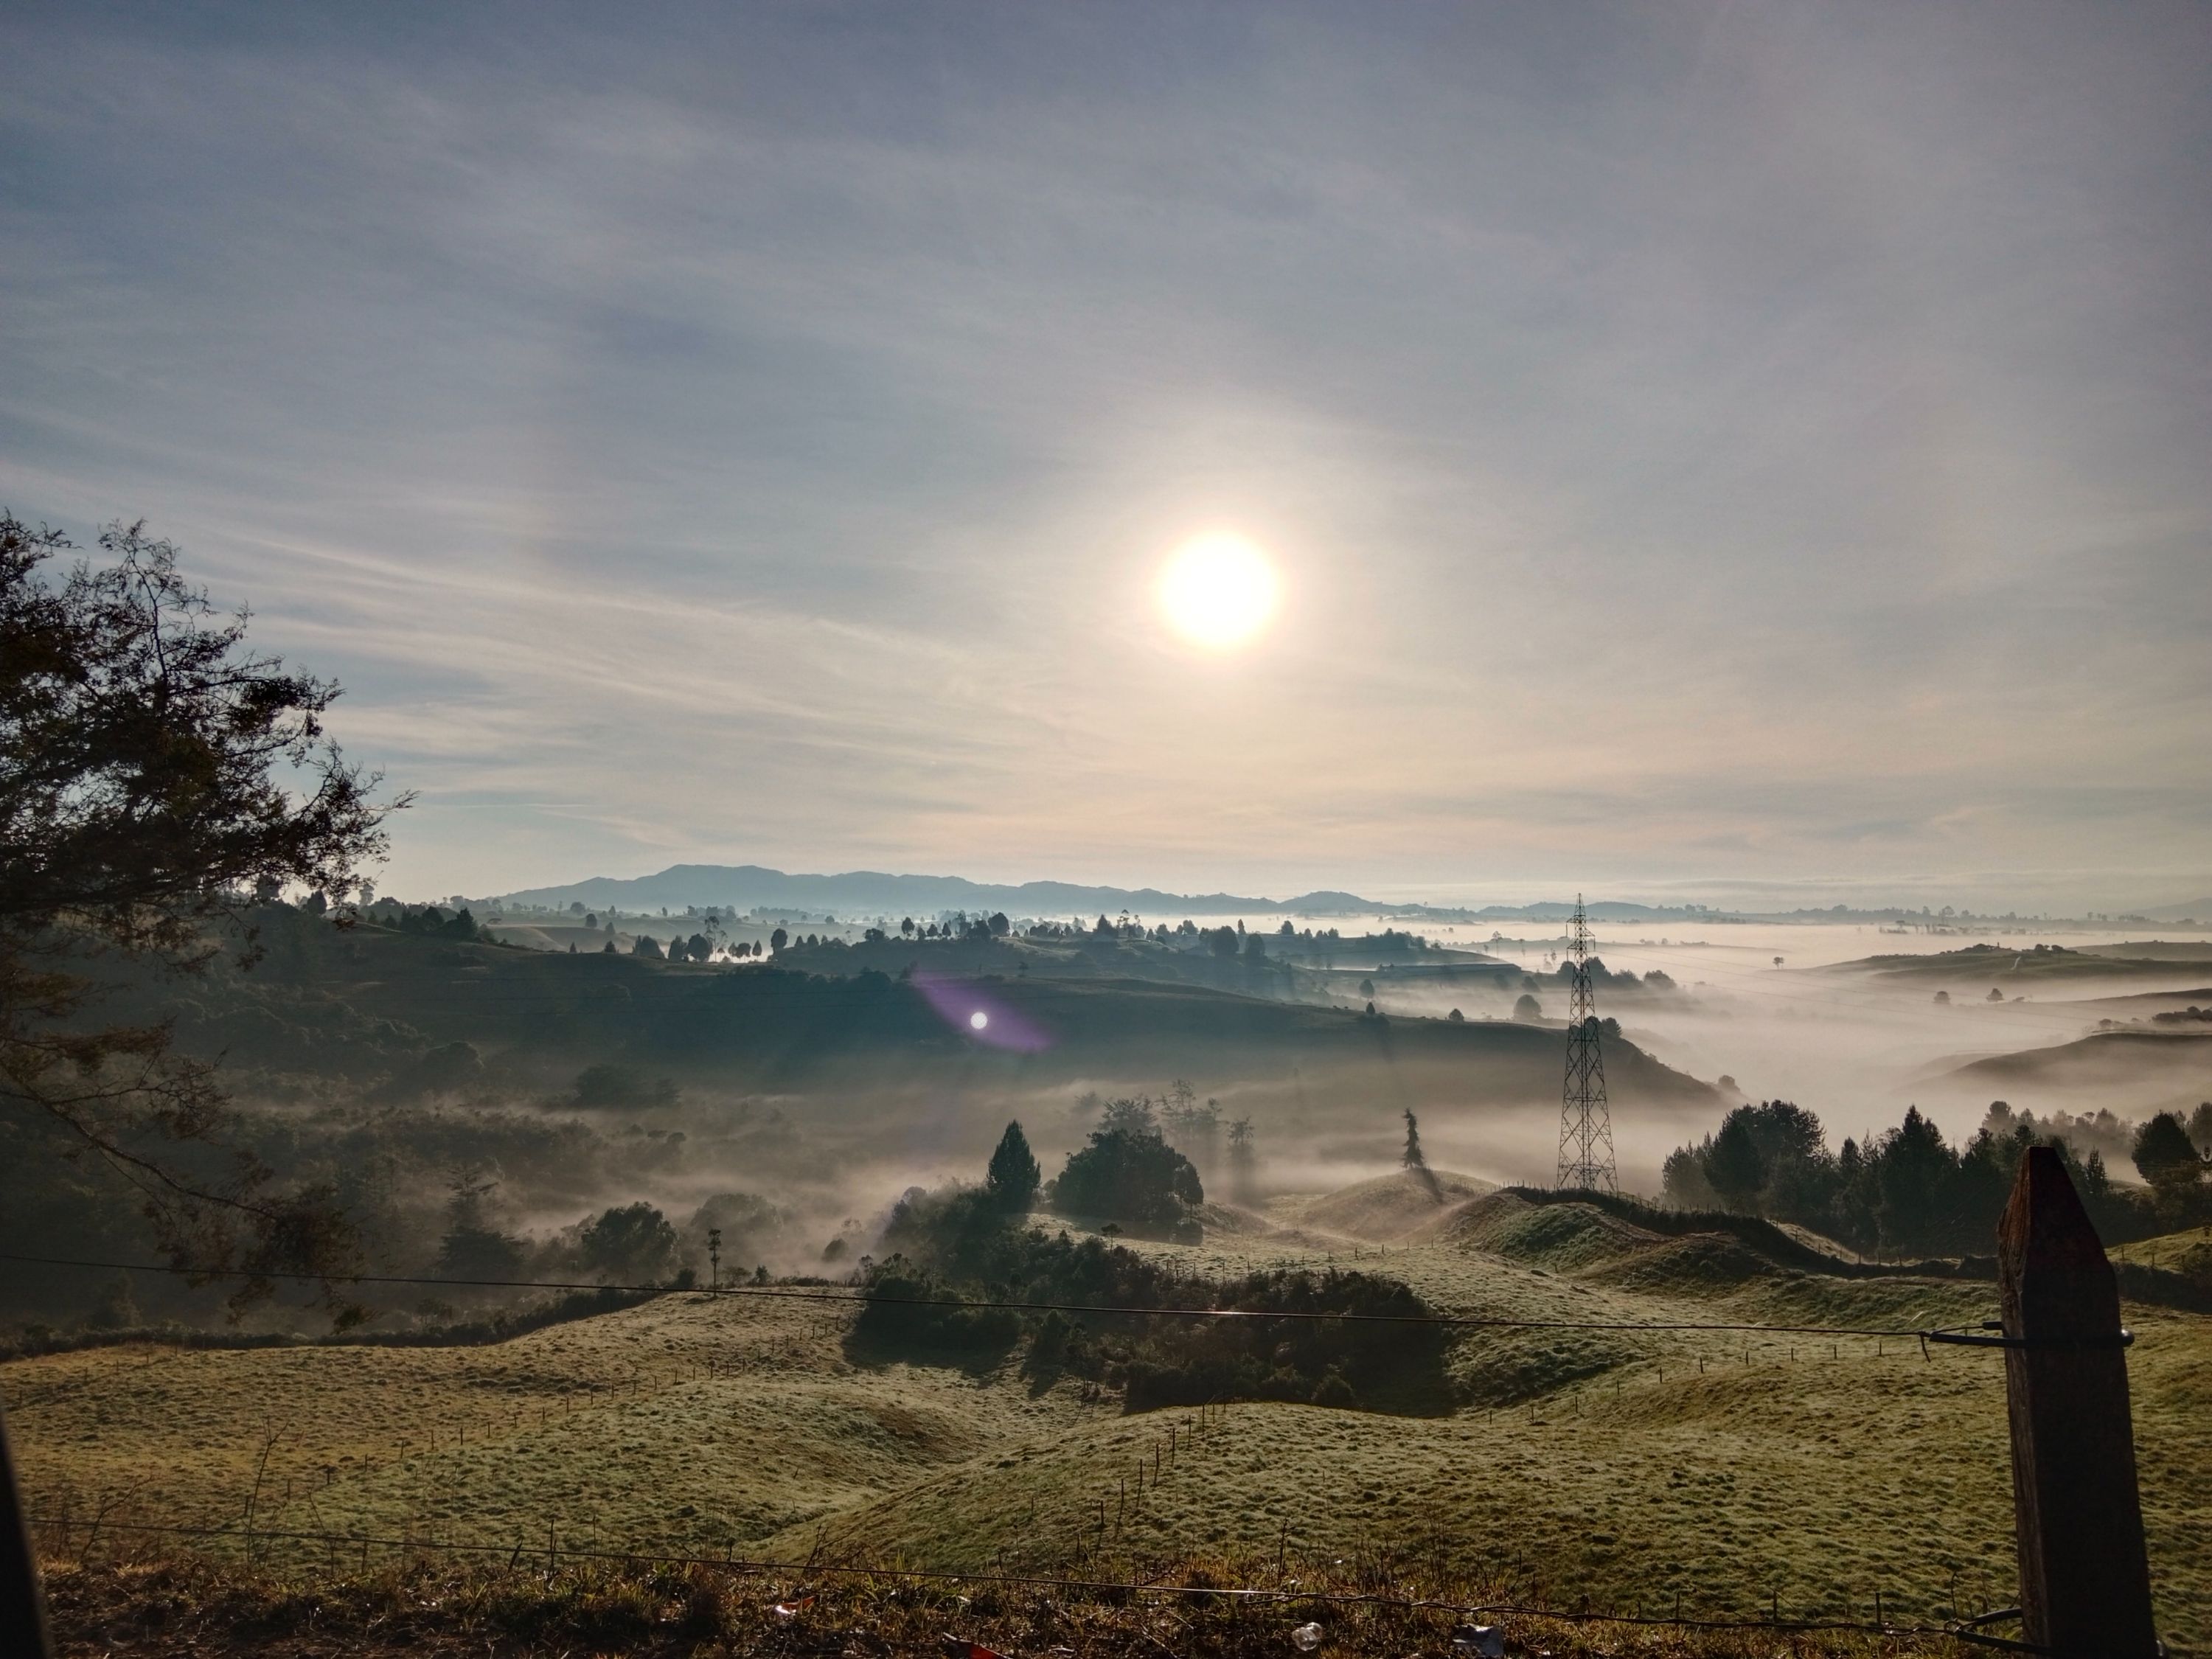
1244 1161
1733 1167
1456 1018
630 1244
1137 1180
1412 1158
1223 942
2200 1127
1416 1160
646 945
778 939
2165 1155
999 926
1527 1008
472 1247
1132 1114
152 770
1013 1177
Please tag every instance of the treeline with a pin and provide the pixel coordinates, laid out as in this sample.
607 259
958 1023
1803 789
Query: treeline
1909 1190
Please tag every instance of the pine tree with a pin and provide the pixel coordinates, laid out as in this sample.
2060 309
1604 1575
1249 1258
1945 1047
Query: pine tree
1415 1159
1013 1176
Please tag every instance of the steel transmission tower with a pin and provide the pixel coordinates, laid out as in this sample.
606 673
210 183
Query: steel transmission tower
1585 1119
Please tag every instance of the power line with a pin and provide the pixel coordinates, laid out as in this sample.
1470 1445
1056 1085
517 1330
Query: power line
863 1299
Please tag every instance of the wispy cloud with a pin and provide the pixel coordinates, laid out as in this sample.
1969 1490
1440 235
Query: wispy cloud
1719 445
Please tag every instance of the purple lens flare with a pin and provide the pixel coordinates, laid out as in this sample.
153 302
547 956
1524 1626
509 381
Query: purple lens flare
975 1010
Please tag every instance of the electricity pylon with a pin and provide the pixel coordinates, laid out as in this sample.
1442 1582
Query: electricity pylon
1585 1119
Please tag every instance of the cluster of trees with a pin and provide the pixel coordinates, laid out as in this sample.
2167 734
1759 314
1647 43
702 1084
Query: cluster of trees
624 1244
1191 1126
697 948
1910 1190
1625 980
956 1254
958 925
428 918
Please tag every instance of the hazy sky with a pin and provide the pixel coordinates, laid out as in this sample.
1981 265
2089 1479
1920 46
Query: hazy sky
1707 448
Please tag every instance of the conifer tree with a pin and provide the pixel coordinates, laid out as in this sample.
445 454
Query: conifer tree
1013 1176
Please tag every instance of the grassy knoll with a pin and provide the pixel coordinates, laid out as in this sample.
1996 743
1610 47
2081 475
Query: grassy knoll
2015 969
1626 1466
612 1430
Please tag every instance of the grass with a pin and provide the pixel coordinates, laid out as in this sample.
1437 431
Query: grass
1629 1466
422 1606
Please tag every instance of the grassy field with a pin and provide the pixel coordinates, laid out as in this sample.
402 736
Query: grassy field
1627 1467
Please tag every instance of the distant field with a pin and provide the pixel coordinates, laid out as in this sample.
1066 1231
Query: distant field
1628 1466
2013 970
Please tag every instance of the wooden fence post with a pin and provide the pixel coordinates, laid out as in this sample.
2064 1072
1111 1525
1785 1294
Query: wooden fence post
2084 1573
22 1606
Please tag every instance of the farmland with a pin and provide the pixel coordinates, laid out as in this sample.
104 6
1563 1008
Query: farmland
1740 1472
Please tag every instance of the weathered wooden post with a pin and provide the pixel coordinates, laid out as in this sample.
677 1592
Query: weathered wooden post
22 1606
2084 1573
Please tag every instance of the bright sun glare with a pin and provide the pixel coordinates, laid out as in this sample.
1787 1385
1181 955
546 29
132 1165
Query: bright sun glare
1218 591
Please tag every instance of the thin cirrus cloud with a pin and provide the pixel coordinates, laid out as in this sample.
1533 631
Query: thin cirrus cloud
1739 445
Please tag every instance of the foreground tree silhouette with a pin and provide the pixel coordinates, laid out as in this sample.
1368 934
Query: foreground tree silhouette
153 774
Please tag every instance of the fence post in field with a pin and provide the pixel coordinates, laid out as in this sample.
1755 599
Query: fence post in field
2084 1573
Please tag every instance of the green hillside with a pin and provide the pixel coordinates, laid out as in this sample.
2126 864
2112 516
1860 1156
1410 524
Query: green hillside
2017 970
378 1007
1625 1465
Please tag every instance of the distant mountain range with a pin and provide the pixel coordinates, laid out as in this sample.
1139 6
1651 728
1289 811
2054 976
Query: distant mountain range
2194 910
871 892
859 893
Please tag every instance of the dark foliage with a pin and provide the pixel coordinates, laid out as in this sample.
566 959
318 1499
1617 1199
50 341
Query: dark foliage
1907 1190
1132 1178
1013 1177
957 1246
153 773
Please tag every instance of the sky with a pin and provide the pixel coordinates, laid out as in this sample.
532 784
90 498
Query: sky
1740 451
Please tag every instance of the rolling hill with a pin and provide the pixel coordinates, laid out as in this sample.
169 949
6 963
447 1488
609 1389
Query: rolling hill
1624 1464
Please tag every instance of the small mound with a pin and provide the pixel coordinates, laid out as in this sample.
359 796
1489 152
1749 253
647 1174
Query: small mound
1565 1237
1695 1263
1386 1209
1234 1220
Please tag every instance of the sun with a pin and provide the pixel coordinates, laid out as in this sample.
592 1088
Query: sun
1218 591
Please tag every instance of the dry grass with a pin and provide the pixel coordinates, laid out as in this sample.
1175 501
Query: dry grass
1627 1466
422 1608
